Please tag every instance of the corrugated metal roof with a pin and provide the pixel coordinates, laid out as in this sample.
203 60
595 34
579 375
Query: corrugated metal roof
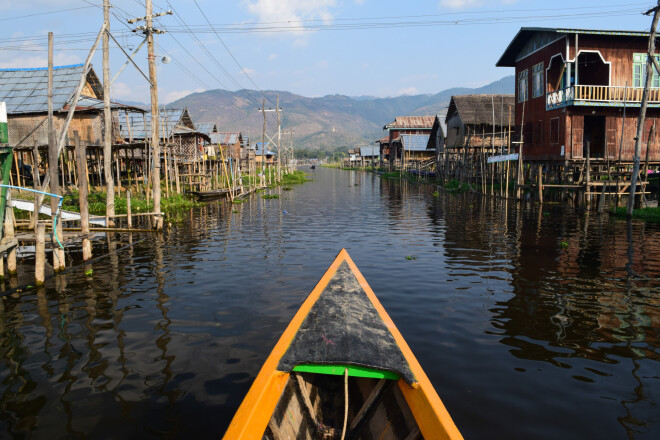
206 127
259 148
414 142
369 151
26 90
225 138
411 122
171 118
384 139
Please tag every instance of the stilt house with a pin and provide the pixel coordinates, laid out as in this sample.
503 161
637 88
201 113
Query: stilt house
408 136
578 93
25 91
478 121
177 132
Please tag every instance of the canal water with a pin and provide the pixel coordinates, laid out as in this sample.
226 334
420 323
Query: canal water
531 322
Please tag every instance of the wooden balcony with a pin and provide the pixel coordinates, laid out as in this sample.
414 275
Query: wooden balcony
600 96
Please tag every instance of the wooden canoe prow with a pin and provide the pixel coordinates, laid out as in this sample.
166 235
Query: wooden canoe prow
330 328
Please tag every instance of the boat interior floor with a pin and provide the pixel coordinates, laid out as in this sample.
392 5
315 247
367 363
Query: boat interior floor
312 406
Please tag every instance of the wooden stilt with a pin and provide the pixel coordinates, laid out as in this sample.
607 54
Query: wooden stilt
40 255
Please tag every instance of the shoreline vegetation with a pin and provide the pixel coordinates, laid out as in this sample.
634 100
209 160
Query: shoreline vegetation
651 214
171 206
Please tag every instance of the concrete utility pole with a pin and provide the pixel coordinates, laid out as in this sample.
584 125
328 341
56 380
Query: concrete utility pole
149 31
107 117
651 63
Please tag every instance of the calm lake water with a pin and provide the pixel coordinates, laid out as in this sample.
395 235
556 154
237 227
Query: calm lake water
522 336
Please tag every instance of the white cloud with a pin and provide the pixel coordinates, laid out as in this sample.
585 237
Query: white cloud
248 71
178 94
272 56
291 12
408 91
323 64
17 61
461 4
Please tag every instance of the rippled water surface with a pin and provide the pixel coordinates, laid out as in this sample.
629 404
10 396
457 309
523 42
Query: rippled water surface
530 322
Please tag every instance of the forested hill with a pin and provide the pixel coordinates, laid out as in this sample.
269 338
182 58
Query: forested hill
326 122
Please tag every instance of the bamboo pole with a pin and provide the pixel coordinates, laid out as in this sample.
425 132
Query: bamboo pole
81 151
40 255
129 211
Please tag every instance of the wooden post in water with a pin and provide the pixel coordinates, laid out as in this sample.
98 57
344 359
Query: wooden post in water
81 154
40 255
9 233
129 212
588 174
540 171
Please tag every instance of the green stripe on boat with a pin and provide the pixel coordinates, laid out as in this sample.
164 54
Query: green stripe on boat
353 370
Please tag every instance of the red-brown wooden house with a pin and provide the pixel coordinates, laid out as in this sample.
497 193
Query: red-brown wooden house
572 86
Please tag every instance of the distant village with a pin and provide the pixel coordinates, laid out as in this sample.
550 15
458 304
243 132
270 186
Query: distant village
570 128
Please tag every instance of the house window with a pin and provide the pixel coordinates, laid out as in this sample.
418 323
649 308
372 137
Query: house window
537 80
554 130
538 133
523 85
639 71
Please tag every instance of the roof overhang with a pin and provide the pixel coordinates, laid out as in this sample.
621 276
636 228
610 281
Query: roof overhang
508 58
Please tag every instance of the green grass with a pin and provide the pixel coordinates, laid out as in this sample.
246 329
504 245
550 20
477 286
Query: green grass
170 206
649 214
456 186
295 178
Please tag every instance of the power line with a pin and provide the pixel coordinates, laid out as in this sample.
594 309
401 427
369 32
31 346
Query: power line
242 69
18 17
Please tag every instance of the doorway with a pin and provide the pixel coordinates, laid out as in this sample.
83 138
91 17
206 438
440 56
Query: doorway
594 134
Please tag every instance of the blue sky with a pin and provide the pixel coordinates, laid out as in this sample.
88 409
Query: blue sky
309 47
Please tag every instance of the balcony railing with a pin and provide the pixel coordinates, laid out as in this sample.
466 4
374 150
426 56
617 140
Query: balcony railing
599 95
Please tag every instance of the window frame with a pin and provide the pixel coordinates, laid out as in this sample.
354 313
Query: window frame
538 76
639 78
523 85
554 131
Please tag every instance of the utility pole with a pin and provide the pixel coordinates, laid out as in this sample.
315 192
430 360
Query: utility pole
264 136
651 63
279 140
107 118
149 31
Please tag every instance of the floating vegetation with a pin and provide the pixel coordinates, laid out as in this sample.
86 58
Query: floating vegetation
436 194
238 201
287 188
235 211
563 244
270 196
89 273
410 257
650 214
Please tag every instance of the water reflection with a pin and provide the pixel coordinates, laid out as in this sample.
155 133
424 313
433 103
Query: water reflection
519 313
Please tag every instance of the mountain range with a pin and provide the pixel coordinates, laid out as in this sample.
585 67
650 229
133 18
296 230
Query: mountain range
326 122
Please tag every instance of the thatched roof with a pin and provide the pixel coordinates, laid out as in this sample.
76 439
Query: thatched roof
478 109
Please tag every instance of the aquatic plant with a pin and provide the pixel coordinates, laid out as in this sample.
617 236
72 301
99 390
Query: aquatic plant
436 194
563 244
270 196
410 257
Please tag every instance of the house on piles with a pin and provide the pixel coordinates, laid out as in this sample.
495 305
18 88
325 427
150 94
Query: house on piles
178 133
230 142
578 95
209 129
407 139
268 157
478 121
370 155
25 92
